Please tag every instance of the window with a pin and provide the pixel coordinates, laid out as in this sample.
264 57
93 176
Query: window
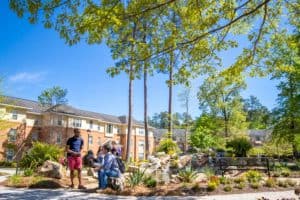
141 131
109 128
118 130
36 122
90 139
99 127
77 123
58 138
141 148
99 141
91 124
12 135
10 154
257 138
14 115
35 136
59 121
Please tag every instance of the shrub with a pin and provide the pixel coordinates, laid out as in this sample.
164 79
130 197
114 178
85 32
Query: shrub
187 175
255 185
135 178
227 188
211 186
208 171
215 179
28 172
14 180
256 151
240 179
39 153
276 173
240 146
291 182
282 184
150 182
240 185
270 182
253 176
8 164
168 146
224 180
285 171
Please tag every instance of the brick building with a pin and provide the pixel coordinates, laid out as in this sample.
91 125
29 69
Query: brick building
24 121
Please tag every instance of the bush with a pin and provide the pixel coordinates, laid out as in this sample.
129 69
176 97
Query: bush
227 188
240 179
135 178
208 171
28 172
240 146
240 186
39 153
255 185
291 182
256 151
285 171
168 146
253 176
224 180
282 184
215 179
270 182
187 175
14 180
150 182
211 186
8 164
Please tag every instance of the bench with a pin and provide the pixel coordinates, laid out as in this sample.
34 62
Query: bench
243 163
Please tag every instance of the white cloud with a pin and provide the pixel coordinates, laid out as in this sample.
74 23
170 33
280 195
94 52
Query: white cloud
27 77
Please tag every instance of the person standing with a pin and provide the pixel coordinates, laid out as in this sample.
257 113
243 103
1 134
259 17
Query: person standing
74 148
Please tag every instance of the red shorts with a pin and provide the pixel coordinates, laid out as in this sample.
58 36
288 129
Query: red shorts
74 162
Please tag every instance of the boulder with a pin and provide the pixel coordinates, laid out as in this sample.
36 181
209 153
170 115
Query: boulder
184 161
201 177
52 169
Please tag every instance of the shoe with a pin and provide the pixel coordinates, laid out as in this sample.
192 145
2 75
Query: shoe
81 187
99 190
71 186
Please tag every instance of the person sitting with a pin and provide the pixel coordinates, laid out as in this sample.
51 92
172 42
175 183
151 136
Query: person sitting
109 168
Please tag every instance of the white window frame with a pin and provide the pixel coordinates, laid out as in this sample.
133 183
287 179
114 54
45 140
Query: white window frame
141 131
10 153
58 138
14 115
10 136
91 124
90 139
77 123
109 127
34 136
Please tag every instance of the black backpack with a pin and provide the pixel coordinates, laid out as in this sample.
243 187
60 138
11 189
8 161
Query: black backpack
121 165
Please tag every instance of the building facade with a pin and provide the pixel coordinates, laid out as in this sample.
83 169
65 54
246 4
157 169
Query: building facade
24 121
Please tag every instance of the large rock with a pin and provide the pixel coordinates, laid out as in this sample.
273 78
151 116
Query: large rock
201 177
184 161
52 169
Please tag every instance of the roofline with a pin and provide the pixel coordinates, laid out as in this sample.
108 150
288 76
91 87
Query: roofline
11 105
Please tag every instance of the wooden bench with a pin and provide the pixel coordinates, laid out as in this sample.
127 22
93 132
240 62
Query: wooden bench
243 163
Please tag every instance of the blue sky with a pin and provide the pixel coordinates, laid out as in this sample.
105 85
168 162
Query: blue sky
33 59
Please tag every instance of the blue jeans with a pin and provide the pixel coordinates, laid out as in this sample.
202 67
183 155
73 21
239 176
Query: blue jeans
103 175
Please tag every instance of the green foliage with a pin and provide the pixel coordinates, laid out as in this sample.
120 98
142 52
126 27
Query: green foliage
255 151
282 183
14 180
135 178
211 186
227 188
240 179
270 182
8 164
168 146
240 146
208 171
53 96
282 148
291 182
285 171
224 180
187 175
253 176
150 182
39 153
240 186
28 172
255 185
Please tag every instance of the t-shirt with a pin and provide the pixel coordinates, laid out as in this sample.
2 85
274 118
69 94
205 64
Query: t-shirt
75 144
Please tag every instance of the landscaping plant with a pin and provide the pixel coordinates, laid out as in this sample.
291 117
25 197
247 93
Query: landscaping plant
240 146
28 172
168 146
253 176
149 182
227 188
270 182
240 185
211 186
255 185
135 178
187 175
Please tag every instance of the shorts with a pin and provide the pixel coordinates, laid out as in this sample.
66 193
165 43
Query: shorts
74 162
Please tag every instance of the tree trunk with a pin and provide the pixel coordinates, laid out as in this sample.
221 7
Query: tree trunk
130 100
170 122
146 111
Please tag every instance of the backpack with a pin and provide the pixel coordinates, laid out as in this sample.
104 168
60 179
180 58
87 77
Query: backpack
120 164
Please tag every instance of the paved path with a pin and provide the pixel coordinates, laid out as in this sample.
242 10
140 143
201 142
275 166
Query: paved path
32 194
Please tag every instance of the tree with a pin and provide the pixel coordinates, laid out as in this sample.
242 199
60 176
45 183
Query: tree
220 97
184 97
53 96
240 146
161 120
287 126
258 116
